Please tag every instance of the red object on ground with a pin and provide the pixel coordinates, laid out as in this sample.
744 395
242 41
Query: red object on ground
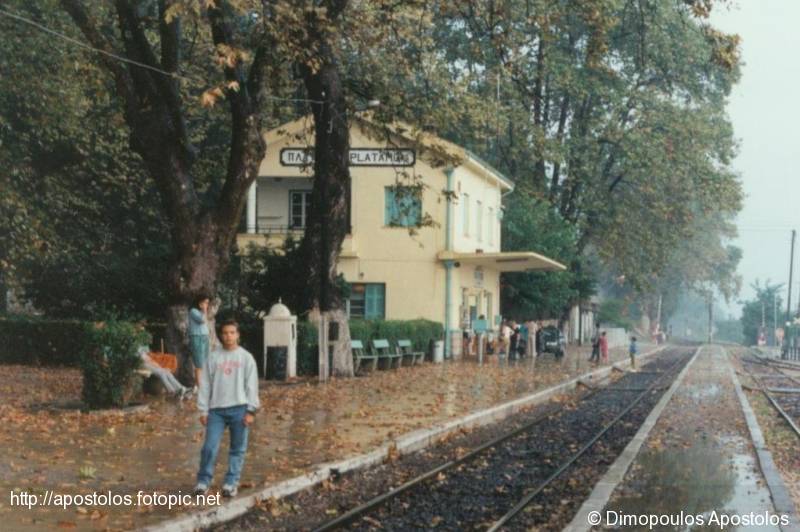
165 360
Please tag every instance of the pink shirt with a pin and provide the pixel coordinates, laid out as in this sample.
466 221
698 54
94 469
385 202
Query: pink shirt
604 345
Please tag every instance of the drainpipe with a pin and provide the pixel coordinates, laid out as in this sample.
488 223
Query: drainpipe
448 264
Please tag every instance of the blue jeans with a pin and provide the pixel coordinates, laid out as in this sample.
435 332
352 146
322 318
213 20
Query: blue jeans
219 418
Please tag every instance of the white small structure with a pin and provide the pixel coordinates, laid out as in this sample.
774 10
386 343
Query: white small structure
280 330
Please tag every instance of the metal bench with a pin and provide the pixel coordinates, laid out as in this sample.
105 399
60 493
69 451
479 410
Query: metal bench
381 349
359 355
405 348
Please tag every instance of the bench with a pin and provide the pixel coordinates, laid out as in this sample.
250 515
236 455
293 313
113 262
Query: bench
405 348
381 349
360 355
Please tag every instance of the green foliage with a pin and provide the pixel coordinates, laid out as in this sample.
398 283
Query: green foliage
37 341
614 312
420 332
729 331
262 275
760 307
109 361
531 225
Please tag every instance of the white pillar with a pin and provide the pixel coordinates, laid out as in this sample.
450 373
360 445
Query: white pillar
251 208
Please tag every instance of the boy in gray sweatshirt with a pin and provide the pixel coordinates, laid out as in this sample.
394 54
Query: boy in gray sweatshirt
228 397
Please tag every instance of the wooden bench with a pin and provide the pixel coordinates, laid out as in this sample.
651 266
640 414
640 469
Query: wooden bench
381 349
405 348
360 355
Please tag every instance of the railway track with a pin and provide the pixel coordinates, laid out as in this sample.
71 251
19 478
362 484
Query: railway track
497 484
781 390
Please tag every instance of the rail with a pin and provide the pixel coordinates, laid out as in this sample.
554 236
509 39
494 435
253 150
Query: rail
765 390
352 515
566 465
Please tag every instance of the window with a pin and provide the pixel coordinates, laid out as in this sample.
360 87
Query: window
465 210
479 221
367 301
299 207
403 206
491 226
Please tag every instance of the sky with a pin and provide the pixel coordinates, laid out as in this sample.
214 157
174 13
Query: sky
765 110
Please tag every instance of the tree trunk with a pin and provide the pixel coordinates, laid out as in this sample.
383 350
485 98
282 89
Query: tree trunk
328 220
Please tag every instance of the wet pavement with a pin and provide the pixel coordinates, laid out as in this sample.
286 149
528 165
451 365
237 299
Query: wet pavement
698 459
51 445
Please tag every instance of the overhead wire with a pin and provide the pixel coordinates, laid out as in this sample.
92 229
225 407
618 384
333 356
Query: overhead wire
76 42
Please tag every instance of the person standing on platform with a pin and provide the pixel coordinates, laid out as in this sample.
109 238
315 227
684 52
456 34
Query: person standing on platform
595 349
228 398
632 350
198 336
604 347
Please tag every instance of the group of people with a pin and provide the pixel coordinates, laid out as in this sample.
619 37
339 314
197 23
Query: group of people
600 349
226 384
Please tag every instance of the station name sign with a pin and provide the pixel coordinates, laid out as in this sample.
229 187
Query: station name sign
358 157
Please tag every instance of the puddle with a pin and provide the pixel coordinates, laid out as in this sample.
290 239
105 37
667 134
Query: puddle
702 479
707 391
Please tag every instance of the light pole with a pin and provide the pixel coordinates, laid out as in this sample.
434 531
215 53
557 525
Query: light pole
775 319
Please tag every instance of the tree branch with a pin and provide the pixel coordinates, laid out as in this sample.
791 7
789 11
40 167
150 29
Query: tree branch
88 27
247 144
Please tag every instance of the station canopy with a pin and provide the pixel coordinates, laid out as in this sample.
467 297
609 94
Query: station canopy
506 261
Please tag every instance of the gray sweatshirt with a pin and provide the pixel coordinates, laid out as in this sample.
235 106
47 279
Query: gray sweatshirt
229 378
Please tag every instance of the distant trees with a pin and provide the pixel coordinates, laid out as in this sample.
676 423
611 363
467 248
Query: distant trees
762 307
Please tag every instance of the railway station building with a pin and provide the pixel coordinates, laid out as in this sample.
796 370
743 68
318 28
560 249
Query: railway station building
424 234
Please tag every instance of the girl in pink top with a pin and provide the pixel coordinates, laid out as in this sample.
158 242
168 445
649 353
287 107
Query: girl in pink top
604 346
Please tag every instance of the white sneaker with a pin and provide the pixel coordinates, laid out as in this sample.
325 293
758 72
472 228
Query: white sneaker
201 488
229 490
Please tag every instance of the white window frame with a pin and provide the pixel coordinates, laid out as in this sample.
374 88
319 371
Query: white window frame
490 227
465 218
479 220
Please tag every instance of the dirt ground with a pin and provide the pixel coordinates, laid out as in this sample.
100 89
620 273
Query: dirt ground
50 444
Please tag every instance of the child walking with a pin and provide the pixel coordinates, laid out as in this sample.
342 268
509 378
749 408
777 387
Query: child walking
228 398
632 350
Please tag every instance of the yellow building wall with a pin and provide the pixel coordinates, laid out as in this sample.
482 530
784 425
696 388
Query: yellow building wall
375 253
471 189
405 262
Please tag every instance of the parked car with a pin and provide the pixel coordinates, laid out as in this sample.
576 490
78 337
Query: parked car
550 340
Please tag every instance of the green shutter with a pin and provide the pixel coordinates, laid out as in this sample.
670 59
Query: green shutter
390 211
374 302
403 208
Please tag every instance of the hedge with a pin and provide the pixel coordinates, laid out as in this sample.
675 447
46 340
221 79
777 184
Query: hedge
39 341
48 342
420 332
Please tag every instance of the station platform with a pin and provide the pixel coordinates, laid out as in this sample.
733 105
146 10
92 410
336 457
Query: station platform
699 461
156 450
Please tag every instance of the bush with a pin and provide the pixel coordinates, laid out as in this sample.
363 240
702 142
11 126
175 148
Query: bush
109 363
420 332
38 341
613 312
49 342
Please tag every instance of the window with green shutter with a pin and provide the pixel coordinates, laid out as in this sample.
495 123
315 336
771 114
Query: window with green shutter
367 301
403 207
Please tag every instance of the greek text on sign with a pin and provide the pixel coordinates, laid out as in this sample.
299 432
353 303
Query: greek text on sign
358 157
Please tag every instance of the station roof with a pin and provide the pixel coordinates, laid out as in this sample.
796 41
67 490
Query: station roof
403 134
505 261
